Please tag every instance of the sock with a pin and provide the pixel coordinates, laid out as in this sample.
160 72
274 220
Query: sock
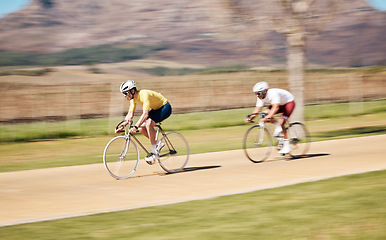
154 148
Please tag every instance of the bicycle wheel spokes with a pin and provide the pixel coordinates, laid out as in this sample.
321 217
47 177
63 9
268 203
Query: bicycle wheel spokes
174 155
257 144
121 157
299 138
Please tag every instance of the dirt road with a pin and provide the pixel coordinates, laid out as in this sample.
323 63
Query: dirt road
45 194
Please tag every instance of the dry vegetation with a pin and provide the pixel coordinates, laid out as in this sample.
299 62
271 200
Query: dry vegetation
74 92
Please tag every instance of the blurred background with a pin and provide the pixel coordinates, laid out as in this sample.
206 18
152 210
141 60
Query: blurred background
64 60
61 65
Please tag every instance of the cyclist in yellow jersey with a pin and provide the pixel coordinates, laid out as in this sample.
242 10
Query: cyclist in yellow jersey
155 109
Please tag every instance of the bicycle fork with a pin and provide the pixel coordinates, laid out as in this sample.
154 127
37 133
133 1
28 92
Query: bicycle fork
279 142
261 135
279 139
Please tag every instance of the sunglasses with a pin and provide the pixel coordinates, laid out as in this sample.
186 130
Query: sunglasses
126 93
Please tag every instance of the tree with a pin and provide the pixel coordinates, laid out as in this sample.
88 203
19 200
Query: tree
296 19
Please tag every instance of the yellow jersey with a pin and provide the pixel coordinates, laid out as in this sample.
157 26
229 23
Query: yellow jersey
148 99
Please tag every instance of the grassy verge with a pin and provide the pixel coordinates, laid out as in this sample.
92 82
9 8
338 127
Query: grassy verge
178 122
205 132
349 207
79 151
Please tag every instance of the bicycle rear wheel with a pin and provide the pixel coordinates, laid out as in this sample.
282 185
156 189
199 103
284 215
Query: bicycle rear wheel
174 155
257 144
121 157
299 137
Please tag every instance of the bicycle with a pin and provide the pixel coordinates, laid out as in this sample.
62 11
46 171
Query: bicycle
121 155
258 142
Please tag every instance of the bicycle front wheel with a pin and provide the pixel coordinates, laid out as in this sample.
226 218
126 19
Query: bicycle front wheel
299 138
121 157
257 144
174 154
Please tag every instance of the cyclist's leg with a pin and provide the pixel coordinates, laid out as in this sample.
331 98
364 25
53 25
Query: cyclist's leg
143 130
161 114
149 124
147 130
287 111
286 148
156 116
278 124
282 121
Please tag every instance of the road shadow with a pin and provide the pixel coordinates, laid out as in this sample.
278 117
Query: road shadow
187 169
307 156
191 169
296 157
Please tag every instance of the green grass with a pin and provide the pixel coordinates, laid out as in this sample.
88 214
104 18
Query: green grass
370 130
205 132
336 110
178 122
349 207
79 151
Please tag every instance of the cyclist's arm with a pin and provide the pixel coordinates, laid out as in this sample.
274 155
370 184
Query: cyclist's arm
127 121
273 111
146 107
129 117
256 110
142 119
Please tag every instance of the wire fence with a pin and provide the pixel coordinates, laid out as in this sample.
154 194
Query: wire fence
186 94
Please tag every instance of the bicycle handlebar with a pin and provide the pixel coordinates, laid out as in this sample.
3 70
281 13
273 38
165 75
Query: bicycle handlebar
119 125
261 114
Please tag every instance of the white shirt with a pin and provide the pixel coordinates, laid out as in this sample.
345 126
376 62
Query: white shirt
274 96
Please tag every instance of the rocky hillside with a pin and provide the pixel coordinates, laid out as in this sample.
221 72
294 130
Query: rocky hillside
47 26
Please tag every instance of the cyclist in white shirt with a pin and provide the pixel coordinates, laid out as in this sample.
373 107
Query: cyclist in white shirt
280 101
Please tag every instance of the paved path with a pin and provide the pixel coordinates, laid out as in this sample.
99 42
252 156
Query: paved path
45 194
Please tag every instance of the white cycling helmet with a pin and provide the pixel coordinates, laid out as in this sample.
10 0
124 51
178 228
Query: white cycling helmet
127 86
260 86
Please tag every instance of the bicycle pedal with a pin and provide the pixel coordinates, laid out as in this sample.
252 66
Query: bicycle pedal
150 162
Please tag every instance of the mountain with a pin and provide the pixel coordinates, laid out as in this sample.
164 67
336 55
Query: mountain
356 36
